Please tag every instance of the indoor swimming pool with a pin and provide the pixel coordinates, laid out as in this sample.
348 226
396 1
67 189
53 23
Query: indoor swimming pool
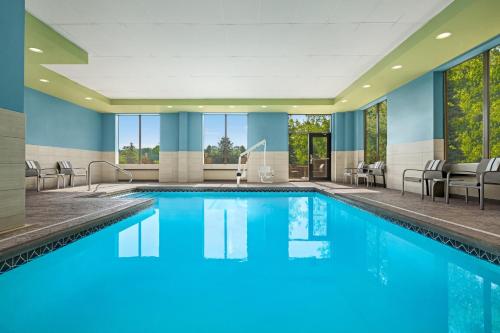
252 262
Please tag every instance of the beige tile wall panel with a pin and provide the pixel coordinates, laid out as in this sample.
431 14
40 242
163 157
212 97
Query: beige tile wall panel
195 166
12 222
278 160
342 160
181 167
108 173
12 124
11 176
169 164
151 175
403 156
12 151
11 202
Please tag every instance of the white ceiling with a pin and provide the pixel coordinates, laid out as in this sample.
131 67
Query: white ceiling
230 48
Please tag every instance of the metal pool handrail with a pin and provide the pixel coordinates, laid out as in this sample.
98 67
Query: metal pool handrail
128 173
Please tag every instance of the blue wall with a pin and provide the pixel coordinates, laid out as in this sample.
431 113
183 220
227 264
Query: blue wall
169 132
12 55
181 131
108 132
415 110
348 131
270 126
51 121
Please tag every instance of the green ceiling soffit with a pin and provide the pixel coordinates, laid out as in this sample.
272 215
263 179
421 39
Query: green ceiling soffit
56 50
471 22
59 50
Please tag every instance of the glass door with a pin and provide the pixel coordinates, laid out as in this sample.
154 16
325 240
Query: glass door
319 156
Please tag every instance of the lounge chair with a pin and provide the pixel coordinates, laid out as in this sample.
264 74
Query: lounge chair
351 172
363 173
377 170
433 169
66 168
33 169
487 172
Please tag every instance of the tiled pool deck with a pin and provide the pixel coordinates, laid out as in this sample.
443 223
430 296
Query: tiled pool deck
53 214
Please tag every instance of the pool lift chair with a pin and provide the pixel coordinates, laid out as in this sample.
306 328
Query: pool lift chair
266 174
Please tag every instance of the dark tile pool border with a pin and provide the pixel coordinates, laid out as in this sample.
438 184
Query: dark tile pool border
68 237
395 218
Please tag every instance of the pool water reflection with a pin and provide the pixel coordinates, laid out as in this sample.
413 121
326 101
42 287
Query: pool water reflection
252 262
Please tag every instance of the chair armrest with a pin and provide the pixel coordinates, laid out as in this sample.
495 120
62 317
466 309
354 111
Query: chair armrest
418 170
81 169
54 170
462 173
484 173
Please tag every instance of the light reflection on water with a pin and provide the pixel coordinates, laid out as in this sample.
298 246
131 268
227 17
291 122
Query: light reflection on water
252 262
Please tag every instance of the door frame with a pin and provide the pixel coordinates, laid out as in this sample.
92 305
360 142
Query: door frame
329 155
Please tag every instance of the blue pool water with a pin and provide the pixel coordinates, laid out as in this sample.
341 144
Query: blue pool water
252 262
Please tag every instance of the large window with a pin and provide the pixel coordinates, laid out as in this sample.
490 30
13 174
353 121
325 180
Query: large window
494 117
299 127
138 139
376 132
224 137
473 108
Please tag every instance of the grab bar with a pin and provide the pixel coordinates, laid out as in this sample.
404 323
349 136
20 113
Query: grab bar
109 163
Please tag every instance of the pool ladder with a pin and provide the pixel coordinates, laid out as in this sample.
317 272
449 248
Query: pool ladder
89 171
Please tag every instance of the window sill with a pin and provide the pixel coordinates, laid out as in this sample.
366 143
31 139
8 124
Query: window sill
139 166
220 166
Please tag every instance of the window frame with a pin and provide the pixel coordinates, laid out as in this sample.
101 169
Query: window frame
486 103
139 115
365 111
225 114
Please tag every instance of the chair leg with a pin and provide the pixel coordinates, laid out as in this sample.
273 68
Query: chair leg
447 194
466 195
481 196
427 187
422 191
403 187
432 190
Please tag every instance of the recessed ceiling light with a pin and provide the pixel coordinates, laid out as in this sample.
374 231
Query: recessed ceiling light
343 101
200 106
231 106
170 106
397 66
443 35
263 106
36 50
367 86
44 80
88 98
295 106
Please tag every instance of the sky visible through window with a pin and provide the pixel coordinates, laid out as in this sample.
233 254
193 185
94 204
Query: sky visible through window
213 126
129 130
